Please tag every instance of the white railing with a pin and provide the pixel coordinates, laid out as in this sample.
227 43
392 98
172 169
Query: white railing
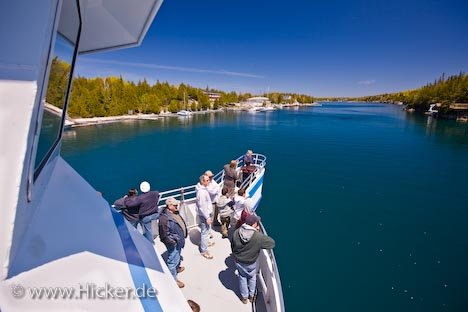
268 276
269 280
187 194
259 161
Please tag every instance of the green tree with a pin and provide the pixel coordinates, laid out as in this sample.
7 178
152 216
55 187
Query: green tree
173 106
203 101
58 82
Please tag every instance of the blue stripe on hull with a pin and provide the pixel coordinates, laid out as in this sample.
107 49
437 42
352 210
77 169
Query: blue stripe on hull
254 189
135 263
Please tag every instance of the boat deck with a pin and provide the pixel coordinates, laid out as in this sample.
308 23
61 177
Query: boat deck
213 284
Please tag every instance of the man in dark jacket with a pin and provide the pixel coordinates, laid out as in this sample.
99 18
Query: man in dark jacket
230 177
246 243
131 214
147 204
173 231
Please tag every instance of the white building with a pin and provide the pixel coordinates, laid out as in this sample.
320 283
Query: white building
257 101
213 96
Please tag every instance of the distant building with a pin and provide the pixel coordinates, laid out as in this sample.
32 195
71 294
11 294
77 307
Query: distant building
459 106
461 111
455 110
287 97
213 96
257 101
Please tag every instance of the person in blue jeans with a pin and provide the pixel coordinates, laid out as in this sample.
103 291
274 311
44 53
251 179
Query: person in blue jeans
204 211
147 204
246 243
172 232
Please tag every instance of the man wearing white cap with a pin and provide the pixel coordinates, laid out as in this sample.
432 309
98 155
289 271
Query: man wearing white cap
173 231
147 204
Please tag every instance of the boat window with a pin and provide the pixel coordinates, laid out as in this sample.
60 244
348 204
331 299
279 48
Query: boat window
60 76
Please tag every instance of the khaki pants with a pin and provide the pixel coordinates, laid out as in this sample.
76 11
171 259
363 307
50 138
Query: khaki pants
225 222
215 214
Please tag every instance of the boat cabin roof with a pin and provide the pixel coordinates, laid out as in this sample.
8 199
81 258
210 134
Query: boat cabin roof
111 24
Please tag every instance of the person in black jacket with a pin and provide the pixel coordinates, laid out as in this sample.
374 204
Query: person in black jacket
173 231
147 204
246 243
131 214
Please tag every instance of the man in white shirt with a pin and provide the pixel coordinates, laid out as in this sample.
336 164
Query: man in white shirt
239 203
213 189
204 209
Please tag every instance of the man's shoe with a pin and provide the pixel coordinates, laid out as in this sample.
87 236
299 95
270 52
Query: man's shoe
180 284
211 244
251 298
207 255
244 300
225 236
180 269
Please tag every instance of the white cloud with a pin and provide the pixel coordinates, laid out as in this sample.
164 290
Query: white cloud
367 82
174 68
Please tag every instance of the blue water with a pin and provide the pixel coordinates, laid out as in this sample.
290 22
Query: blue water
368 205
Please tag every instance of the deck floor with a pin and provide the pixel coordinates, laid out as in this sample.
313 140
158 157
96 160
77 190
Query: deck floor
213 284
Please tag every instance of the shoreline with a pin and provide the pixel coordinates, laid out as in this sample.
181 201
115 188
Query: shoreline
93 121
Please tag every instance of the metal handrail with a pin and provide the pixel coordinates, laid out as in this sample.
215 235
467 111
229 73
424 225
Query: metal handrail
259 161
274 270
189 195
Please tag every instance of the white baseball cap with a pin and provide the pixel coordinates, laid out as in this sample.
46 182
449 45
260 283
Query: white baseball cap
145 187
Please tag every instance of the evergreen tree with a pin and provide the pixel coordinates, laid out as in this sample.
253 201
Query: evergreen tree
173 106
58 82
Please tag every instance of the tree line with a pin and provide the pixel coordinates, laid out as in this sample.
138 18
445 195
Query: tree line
453 89
114 96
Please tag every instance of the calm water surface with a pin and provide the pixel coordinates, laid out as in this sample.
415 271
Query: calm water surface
368 205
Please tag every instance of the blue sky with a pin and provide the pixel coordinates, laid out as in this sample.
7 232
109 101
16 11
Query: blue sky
320 48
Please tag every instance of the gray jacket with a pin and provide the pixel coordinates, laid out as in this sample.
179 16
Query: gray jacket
246 243
224 206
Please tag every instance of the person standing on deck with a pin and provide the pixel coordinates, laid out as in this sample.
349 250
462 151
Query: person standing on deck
173 231
248 158
230 177
247 209
225 205
204 208
131 214
147 204
213 189
246 243
247 168
239 200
